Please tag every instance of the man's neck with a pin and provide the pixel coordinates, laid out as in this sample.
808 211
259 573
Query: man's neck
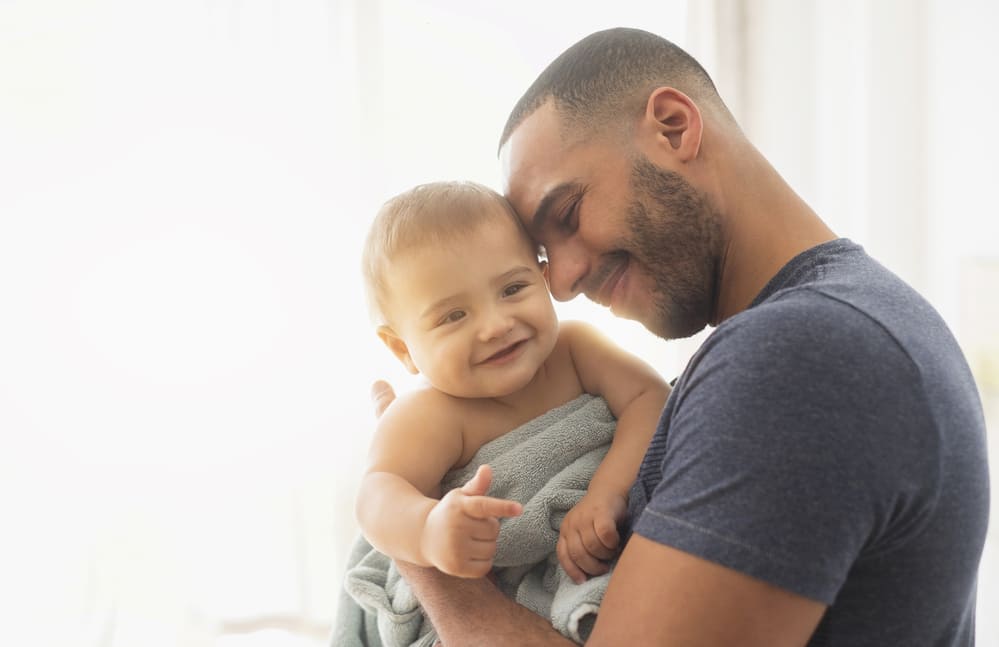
766 224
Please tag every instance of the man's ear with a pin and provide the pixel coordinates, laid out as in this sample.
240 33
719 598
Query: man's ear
398 347
544 272
675 122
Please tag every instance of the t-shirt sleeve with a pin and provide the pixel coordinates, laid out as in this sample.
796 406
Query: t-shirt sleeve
786 451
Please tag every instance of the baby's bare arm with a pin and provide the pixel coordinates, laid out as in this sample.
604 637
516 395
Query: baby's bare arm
635 394
414 445
417 441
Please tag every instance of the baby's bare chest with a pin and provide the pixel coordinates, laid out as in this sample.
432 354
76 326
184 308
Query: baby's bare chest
486 421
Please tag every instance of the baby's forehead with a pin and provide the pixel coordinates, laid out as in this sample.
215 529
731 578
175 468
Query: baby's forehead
481 228
491 247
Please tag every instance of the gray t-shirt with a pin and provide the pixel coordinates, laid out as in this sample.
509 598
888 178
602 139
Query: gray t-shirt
830 440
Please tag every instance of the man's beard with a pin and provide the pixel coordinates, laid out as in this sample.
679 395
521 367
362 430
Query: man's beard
676 237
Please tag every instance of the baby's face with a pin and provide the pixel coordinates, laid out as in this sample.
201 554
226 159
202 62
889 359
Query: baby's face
475 314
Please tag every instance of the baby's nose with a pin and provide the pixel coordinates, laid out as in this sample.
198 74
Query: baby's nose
495 325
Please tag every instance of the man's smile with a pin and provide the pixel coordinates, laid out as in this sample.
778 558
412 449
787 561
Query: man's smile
612 272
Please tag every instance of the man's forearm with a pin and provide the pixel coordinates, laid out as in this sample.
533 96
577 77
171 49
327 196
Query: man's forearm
474 612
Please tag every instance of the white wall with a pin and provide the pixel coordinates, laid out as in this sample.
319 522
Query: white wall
963 226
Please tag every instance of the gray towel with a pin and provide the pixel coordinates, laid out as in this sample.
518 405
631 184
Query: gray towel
546 464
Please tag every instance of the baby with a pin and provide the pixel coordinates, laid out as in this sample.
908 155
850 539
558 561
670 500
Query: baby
461 296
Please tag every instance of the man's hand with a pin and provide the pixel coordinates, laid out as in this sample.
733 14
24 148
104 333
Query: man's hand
459 536
588 537
382 395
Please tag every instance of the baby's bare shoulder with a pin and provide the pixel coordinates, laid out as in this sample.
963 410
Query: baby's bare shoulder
425 405
418 425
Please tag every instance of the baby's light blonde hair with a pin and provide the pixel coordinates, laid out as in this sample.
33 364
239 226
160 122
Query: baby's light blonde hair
436 213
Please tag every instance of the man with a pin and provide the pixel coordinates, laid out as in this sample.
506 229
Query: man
819 474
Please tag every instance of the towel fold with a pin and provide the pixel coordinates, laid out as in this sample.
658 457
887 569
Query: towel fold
546 464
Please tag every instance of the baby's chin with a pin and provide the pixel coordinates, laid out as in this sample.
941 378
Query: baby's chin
494 390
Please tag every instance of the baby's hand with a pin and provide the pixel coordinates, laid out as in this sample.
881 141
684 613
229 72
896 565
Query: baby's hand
459 536
588 536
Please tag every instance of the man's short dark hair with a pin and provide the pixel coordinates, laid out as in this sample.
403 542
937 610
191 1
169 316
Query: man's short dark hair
611 73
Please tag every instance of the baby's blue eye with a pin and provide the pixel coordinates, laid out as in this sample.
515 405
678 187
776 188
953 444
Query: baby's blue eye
453 316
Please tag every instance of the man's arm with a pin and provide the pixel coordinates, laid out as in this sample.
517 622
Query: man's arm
474 612
658 596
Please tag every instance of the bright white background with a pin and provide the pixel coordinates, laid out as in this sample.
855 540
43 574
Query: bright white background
184 187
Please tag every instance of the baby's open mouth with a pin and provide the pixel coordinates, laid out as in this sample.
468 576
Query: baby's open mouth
505 351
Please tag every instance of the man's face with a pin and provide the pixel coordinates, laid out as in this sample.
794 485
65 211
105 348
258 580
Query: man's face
616 227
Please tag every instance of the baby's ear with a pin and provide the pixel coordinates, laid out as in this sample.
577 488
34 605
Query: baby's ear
398 347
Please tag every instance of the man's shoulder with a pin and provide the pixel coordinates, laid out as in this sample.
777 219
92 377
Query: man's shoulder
807 323
806 354
844 293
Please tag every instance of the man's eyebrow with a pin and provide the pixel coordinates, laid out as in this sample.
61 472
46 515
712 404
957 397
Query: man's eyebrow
546 206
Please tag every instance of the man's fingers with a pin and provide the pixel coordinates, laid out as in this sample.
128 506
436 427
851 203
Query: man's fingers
382 395
484 507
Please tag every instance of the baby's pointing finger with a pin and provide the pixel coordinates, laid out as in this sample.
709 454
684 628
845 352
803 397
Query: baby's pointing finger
484 507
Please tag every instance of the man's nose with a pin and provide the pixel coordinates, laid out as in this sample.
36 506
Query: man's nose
567 266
